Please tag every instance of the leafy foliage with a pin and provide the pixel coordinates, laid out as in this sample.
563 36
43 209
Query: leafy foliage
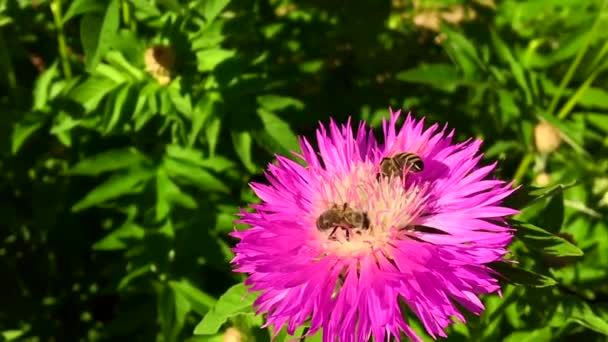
122 168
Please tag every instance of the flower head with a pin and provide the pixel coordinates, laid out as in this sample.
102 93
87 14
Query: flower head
420 239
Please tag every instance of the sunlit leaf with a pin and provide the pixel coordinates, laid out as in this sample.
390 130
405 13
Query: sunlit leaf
125 183
200 301
78 7
109 160
97 32
440 76
235 301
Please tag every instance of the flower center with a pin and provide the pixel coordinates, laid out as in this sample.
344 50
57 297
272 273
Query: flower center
361 212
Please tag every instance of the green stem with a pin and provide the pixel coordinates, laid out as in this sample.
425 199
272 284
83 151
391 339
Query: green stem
524 165
10 70
577 60
61 41
579 92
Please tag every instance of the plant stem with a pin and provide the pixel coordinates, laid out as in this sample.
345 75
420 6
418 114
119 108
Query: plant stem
63 49
577 60
523 167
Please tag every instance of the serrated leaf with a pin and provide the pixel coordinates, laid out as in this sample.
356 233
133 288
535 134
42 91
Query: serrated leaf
443 77
279 131
97 33
118 185
216 163
200 301
119 106
210 9
109 160
576 310
119 238
90 92
521 276
550 244
235 301
194 175
208 59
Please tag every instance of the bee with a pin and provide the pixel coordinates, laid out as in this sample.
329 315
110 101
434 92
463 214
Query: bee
342 217
394 166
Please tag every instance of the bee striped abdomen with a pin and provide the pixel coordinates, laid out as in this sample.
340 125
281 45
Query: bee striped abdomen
394 166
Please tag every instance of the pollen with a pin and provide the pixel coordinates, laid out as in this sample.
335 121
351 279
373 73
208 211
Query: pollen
390 204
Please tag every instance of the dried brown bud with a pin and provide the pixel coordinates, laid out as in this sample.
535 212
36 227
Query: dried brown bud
546 137
159 62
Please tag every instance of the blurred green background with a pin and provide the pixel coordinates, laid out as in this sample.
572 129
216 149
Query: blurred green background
131 128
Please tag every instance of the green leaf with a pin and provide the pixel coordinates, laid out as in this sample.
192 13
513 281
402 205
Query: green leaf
208 59
173 308
210 9
120 105
117 59
169 194
550 244
200 301
194 175
216 163
78 7
599 120
521 276
213 126
463 51
120 238
276 102
130 182
42 86
546 212
443 77
572 309
90 92
594 98
278 134
97 33
12 335
538 335
109 160
517 69
235 301
242 146
21 132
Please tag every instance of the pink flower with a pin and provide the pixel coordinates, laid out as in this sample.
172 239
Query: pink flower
425 244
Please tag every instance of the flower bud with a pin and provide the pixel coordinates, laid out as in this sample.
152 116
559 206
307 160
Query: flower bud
546 137
232 335
542 179
159 62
